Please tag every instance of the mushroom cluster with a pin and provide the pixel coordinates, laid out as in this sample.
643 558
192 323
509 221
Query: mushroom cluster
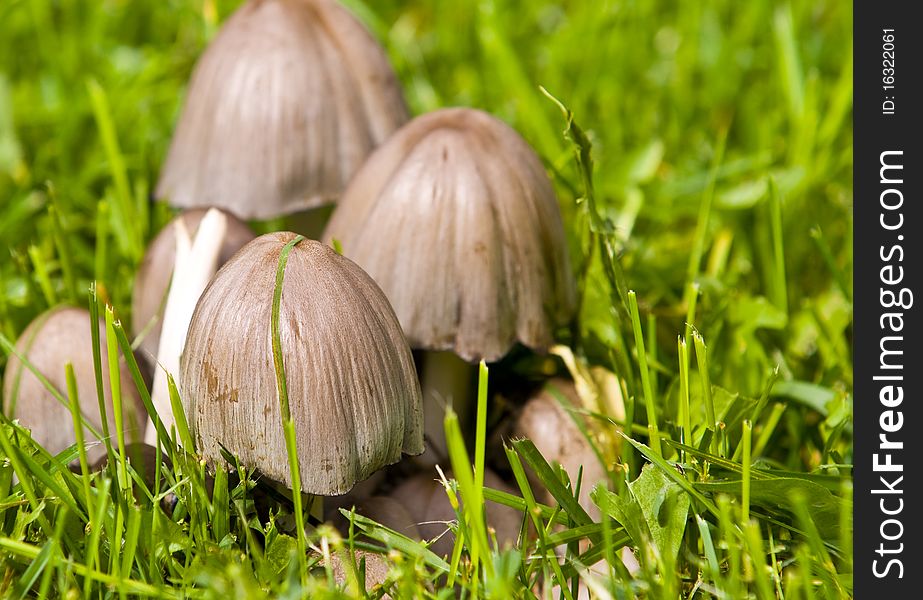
452 242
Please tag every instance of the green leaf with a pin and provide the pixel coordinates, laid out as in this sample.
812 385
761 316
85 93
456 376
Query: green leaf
393 539
625 510
811 395
279 553
752 313
665 507
641 164
773 494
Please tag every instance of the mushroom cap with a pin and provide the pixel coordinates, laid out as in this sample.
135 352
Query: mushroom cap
556 435
49 342
456 220
152 281
284 105
352 387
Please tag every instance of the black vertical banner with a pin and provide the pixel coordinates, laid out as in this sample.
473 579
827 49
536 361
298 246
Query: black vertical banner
888 269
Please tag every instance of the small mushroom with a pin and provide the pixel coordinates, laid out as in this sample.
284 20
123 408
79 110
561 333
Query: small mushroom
152 282
352 387
53 339
556 435
456 220
425 499
284 105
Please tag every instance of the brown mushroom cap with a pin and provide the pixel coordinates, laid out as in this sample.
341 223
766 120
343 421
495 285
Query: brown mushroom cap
352 386
152 281
284 105
456 220
556 435
49 342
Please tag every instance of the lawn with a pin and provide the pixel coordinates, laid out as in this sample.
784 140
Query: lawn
701 154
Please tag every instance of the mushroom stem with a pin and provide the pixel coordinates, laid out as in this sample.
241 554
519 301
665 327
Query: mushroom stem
196 263
312 505
446 381
315 508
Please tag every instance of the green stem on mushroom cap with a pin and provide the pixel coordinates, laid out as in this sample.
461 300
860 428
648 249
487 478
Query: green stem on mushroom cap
287 423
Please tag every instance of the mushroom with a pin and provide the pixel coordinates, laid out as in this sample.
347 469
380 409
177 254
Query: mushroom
152 282
425 499
284 105
351 383
196 258
456 220
555 433
53 339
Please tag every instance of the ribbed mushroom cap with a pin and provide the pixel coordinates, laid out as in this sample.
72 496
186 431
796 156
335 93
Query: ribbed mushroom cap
352 386
559 439
152 281
284 105
456 220
49 342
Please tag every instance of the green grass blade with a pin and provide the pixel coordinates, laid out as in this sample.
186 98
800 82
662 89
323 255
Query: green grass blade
63 250
25 476
527 450
179 414
132 535
745 478
287 423
78 431
31 574
128 233
138 379
701 355
653 431
780 283
115 388
471 495
40 268
480 439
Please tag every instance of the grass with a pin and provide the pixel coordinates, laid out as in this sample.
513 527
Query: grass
703 163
